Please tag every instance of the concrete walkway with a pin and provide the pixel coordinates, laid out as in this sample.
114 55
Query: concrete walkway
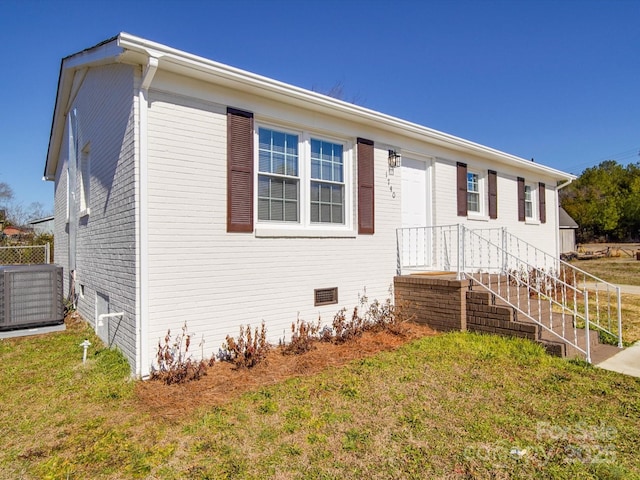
630 289
627 361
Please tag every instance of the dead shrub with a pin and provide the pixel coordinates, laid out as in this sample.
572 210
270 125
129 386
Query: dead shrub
175 365
377 317
303 335
345 329
248 349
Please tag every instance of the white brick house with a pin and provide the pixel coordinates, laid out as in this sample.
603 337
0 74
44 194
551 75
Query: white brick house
188 190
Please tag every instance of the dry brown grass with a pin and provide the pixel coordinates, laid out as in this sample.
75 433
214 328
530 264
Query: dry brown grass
621 268
630 317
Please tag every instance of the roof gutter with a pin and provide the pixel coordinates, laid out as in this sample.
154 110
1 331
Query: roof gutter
126 47
193 65
565 184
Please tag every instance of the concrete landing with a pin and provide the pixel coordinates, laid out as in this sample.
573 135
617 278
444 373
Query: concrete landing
627 361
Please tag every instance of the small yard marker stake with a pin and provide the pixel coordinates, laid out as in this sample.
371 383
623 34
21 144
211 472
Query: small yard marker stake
86 344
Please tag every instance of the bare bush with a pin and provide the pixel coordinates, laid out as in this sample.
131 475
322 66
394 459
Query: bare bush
175 364
248 349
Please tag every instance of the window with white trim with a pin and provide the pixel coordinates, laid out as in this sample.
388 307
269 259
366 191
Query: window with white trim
473 193
278 180
85 179
67 194
327 182
529 201
302 178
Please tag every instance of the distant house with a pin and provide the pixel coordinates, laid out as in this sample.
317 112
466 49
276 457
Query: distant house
16 233
568 227
43 225
288 202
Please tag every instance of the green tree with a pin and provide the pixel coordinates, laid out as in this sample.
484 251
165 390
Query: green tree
605 201
631 204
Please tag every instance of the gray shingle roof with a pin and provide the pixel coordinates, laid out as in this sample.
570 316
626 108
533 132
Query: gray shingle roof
564 220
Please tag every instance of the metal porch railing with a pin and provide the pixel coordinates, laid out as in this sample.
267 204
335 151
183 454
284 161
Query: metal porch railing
565 301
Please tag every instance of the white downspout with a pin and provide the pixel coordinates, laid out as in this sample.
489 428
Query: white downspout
562 185
143 363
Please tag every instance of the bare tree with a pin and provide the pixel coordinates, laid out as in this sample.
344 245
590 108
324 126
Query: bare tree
6 193
15 213
337 91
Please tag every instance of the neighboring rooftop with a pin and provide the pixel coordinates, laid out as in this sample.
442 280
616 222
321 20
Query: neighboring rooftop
565 220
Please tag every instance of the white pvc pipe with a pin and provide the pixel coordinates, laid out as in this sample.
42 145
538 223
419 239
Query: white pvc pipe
102 316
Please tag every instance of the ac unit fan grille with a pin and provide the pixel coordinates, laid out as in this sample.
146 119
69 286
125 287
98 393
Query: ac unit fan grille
30 295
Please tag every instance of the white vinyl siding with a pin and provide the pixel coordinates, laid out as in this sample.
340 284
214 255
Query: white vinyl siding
445 211
216 281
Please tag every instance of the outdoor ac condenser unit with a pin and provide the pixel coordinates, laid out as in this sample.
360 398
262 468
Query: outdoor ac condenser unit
30 296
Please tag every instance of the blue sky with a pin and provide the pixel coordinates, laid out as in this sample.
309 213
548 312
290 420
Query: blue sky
558 80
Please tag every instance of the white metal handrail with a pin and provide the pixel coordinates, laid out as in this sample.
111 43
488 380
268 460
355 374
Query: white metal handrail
498 260
537 293
606 297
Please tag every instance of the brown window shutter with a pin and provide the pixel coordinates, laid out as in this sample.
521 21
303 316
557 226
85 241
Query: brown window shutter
542 202
493 194
462 189
366 190
520 199
239 171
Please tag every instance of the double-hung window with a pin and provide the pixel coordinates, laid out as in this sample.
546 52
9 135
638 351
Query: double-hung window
532 205
84 178
529 194
302 179
473 193
278 177
327 182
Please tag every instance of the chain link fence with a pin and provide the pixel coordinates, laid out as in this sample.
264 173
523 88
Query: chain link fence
25 255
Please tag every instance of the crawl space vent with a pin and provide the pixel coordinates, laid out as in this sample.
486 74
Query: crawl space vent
325 296
30 296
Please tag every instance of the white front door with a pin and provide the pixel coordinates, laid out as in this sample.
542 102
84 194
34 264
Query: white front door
415 212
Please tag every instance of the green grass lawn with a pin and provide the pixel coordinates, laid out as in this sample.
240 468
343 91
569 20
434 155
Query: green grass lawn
451 406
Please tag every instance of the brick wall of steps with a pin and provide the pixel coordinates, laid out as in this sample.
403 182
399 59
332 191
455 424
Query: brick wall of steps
444 303
518 298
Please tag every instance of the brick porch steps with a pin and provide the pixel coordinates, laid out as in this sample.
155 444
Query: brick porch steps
554 344
446 304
